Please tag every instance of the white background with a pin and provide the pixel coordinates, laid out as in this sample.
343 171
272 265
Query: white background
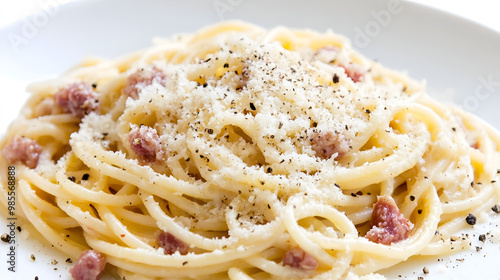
485 12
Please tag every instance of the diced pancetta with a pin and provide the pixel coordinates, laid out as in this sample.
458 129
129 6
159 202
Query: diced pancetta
78 98
90 266
354 71
142 78
24 150
388 225
172 244
145 142
329 143
298 258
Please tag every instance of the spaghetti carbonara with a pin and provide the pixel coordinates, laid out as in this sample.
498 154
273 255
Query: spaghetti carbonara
243 153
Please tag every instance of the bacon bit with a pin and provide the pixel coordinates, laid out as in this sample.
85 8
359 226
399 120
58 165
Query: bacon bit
388 225
298 258
142 78
78 98
145 142
172 244
89 266
327 144
354 71
24 150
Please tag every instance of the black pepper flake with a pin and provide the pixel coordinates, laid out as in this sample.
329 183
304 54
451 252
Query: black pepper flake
205 85
315 124
471 219
496 208
280 125
454 129
72 178
94 85
269 170
419 211
226 65
353 195
36 277
337 185
368 111
359 193
335 78
85 177
210 131
5 238
425 270
19 228
412 198
482 237
184 263
478 248
252 106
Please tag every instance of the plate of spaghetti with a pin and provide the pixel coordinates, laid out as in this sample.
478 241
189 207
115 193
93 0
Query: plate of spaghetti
220 145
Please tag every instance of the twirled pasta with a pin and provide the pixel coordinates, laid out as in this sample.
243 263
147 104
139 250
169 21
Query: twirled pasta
246 145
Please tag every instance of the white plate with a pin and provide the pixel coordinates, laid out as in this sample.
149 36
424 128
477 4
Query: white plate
458 58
